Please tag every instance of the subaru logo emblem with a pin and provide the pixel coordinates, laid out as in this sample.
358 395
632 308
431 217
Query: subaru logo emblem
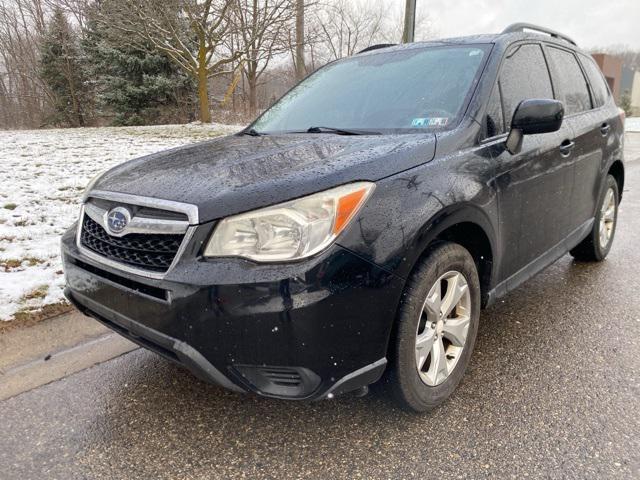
117 219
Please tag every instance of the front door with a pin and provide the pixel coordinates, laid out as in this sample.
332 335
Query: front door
534 186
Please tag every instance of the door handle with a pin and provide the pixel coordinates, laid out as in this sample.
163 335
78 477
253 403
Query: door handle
566 147
604 129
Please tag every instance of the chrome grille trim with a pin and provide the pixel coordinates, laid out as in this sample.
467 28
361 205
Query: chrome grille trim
188 228
137 224
190 210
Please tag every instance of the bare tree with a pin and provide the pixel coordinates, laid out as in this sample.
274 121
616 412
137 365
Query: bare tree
261 33
192 33
347 26
23 96
6 105
341 28
299 58
301 38
394 26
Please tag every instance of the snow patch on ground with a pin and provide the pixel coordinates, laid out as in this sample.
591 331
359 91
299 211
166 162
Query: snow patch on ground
632 124
44 173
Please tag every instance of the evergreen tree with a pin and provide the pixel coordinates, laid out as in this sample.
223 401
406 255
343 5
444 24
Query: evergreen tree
61 71
135 86
625 103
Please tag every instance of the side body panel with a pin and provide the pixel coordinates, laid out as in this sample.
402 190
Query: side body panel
407 211
535 188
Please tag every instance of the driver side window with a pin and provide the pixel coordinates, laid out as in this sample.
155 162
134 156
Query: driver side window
524 75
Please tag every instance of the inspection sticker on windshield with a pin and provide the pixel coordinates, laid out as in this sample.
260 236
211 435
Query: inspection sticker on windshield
430 122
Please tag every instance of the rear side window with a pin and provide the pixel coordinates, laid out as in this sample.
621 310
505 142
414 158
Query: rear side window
524 75
568 80
598 84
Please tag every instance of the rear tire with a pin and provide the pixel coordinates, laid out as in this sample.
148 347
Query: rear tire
436 328
596 246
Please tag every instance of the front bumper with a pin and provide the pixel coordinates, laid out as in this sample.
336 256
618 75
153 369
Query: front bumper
302 331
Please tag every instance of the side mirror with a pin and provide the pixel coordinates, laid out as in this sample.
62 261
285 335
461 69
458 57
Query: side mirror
534 116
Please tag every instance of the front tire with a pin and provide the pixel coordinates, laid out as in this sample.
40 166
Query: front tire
596 246
436 328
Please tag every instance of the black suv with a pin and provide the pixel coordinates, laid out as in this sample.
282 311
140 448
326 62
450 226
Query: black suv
354 231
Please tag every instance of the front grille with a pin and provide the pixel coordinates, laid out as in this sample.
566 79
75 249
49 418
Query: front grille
146 251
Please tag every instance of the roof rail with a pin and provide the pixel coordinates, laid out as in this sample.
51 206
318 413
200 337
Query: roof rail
521 27
376 47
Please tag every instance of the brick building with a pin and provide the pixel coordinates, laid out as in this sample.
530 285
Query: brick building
621 79
612 69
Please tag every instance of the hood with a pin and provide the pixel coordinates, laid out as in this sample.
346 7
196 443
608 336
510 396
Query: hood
235 174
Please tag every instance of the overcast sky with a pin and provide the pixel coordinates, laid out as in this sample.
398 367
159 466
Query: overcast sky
591 23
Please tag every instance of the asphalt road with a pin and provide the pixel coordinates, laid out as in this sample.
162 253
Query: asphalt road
553 391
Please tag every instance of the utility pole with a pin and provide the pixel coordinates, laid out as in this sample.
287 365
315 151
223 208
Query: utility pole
409 21
300 68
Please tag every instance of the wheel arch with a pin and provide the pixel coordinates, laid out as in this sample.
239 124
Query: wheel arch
616 170
468 226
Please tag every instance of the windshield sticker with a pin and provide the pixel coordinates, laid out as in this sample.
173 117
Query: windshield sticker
430 122
474 53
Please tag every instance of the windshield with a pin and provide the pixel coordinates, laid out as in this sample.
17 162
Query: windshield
412 89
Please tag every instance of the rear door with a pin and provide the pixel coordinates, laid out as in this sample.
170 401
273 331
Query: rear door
605 115
535 185
572 89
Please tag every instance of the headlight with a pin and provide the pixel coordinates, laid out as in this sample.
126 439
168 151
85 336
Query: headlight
292 230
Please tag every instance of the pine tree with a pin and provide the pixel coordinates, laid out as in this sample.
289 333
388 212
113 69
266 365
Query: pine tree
134 86
62 73
625 103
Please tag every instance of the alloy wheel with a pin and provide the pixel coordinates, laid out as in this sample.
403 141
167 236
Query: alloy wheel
443 328
607 218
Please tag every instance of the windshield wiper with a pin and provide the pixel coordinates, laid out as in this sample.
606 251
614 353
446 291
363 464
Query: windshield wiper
340 131
253 132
